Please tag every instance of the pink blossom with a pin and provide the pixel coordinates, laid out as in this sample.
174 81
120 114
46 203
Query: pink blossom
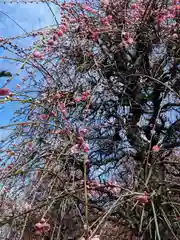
55 37
44 117
88 163
83 131
134 6
42 227
59 95
46 227
105 3
10 166
43 220
30 146
37 54
130 40
75 149
143 198
77 99
86 7
5 189
174 36
95 36
50 42
156 148
109 17
83 98
4 91
18 86
62 108
60 33
63 28
85 147
27 207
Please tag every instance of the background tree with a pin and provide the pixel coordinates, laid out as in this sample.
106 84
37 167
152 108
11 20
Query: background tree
96 148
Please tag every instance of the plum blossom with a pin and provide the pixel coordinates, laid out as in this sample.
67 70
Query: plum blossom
143 198
83 132
62 108
42 227
37 54
85 147
4 91
156 148
75 149
77 99
44 117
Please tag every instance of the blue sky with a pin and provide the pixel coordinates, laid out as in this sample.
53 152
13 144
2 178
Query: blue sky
30 17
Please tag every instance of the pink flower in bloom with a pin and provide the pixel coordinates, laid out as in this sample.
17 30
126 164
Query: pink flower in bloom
86 7
143 198
30 146
95 36
10 166
174 36
134 6
109 17
42 227
59 95
83 131
44 117
27 207
75 149
4 91
105 3
63 28
50 42
62 108
83 98
85 147
42 220
130 40
37 54
5 189
156 148
60 33
77 99
88 164
55 37
18 86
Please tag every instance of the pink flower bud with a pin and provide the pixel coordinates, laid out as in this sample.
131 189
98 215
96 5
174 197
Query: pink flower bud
109 17
63 28
75 148
85 147
43 220
77 99
83 131
37 54
60 33
4 91
156 148
46 227
174 36
44 117
5 189
133 6
50 42
83 98
88 164
143 198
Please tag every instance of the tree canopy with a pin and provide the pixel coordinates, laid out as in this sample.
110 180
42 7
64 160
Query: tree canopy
95 149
